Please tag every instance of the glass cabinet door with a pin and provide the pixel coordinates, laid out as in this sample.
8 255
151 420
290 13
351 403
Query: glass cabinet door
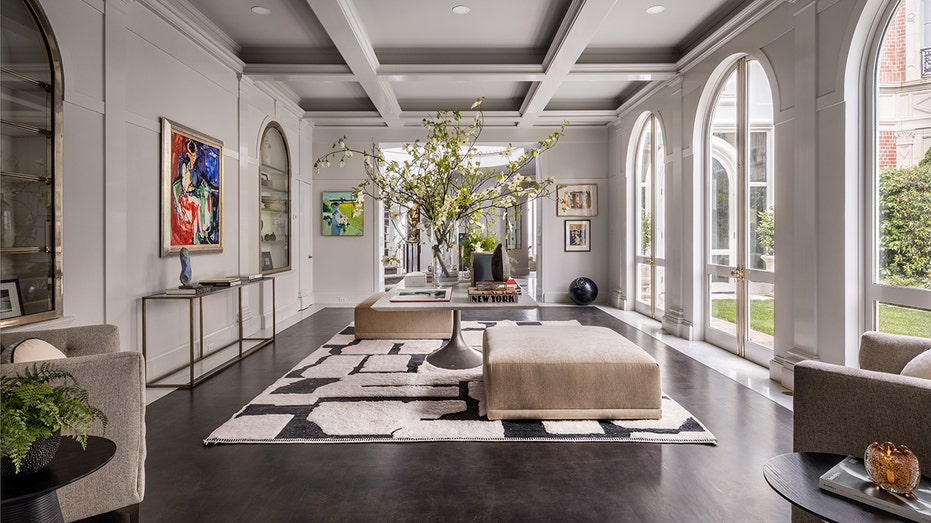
30 166
275 202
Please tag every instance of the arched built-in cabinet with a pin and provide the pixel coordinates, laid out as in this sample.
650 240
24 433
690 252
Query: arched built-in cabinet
30 166
275 201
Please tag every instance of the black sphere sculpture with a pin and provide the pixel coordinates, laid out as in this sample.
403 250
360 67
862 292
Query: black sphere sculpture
583 291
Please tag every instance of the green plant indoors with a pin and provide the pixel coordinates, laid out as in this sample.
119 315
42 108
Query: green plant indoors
477 241
35 407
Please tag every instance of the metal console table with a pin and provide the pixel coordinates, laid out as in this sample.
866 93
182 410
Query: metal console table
195 302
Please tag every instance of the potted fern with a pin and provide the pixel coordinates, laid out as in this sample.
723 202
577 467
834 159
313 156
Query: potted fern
39 406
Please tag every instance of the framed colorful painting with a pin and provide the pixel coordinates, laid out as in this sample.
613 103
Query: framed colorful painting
338 218
192 190
578 235
577 200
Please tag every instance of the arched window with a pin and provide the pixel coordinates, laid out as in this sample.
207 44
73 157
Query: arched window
898 287
649 168
739 215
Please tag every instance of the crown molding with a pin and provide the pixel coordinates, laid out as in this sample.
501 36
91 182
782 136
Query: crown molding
727 32
190 22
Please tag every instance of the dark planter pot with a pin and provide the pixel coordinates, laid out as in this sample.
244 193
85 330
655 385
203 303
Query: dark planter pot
40 454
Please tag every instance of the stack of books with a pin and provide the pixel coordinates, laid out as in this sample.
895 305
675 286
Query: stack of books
191 290
229 281
495 292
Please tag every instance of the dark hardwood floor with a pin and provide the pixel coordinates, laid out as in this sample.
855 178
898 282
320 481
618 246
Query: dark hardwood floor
479 481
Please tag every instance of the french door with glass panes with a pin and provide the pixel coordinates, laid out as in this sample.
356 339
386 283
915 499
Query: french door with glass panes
650 219
739 221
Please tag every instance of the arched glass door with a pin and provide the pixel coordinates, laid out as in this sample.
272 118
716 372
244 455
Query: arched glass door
740 212
650 219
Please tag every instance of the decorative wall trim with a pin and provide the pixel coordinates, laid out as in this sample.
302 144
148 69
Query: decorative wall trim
618 299
782 368
203 32
674 323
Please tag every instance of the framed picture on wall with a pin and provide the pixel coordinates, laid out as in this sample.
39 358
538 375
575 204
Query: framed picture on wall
192 190
512 228
578 235
11 299
338 214
577 200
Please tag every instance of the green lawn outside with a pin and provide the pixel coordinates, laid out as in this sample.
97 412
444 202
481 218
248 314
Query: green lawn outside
899 320
762 313
892 319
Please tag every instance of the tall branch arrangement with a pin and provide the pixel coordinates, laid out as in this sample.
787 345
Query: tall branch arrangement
444 177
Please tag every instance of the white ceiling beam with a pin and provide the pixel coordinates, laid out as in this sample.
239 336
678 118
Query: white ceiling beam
575 33
343 25
457 73
290 72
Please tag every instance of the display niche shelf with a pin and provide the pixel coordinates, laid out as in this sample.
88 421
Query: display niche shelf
30 167
274 202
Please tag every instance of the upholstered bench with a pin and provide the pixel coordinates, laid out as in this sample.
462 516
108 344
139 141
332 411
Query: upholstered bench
568 372
371 324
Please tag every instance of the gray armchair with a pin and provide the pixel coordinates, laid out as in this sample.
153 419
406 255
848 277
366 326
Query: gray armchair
115 382
842 410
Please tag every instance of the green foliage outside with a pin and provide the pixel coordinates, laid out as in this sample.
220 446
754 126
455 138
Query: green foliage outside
646 232
905 225
34 407
766 230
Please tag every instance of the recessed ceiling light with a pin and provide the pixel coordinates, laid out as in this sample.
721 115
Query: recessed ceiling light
461 10
259 10
655 10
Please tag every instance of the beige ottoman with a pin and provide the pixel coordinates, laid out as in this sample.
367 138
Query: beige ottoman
371 324
574 372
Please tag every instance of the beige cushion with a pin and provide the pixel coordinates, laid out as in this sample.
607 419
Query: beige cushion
920 366
34 349
568 372
371 324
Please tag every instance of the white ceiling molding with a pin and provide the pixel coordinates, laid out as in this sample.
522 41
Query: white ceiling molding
179 14
576 31
726 32
342 24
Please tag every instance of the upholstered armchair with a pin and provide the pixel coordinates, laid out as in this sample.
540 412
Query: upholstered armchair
841 410
115 382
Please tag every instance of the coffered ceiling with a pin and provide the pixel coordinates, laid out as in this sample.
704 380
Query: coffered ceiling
391 62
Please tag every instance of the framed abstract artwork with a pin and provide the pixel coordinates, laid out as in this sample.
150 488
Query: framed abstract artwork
338 214
577 200
578 235
192 190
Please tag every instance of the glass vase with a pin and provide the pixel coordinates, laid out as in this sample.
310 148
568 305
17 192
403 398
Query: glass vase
445 254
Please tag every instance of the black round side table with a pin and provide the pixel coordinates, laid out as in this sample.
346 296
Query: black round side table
33 498
795 477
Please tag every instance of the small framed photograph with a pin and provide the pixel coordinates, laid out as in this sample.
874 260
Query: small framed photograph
267 263
578 235
577 200
11 299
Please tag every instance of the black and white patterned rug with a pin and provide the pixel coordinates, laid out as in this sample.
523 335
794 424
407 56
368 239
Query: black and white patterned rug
352 391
